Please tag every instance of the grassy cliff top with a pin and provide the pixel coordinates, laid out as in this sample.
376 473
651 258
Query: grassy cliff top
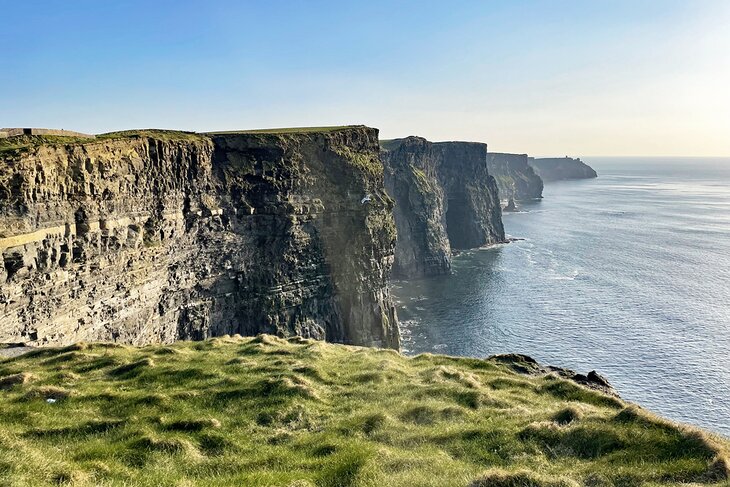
159 134
269 412
290 130
11 145
21 143
18 144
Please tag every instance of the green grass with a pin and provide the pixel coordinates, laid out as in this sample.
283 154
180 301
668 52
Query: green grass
271 412
290 130
23 143
14 146
423 182
368 162
164 135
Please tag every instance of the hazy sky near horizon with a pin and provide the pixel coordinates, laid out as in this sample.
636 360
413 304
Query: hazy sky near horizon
544 77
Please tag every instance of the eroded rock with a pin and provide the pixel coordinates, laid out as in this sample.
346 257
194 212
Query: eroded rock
158 236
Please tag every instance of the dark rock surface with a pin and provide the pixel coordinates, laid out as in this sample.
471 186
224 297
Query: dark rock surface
525 364
159 236
561 168
515 177
445 200
422 246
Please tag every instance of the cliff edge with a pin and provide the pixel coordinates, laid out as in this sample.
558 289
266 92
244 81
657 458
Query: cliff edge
154 236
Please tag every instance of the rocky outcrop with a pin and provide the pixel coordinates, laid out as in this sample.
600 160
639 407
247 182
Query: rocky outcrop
445 199
560 168
157 236
511 207
524 364
515 177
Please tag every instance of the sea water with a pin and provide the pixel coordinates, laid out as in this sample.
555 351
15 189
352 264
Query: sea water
627 274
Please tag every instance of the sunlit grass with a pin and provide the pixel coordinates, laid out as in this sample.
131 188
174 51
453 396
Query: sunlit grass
272 412
13 146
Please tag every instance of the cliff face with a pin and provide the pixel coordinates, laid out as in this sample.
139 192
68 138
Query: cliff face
445 198
560 168
422 247
515 177
473 213
158 236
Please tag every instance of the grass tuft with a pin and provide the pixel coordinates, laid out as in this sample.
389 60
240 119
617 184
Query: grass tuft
13 380
167 351
579 442
132 369
719 469
567 415
48 392
501 478
170 446
83 429
420 415
189 425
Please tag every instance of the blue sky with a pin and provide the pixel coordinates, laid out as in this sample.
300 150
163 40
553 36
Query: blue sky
556 77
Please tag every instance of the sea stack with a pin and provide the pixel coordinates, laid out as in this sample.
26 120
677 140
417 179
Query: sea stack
511 207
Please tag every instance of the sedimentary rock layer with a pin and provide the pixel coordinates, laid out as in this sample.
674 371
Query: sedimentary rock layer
445 199
559 168
515 177
157 236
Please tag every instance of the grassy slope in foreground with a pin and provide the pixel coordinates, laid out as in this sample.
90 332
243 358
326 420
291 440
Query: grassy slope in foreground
270 412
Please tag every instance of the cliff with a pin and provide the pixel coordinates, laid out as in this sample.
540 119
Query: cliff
560 168
422 246
515 177
155 236
266 411
445 199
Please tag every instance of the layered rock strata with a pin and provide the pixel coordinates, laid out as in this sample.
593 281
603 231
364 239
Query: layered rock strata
445 199
561 168
157 236
515 177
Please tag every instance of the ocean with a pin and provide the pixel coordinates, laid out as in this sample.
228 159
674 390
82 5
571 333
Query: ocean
627 274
